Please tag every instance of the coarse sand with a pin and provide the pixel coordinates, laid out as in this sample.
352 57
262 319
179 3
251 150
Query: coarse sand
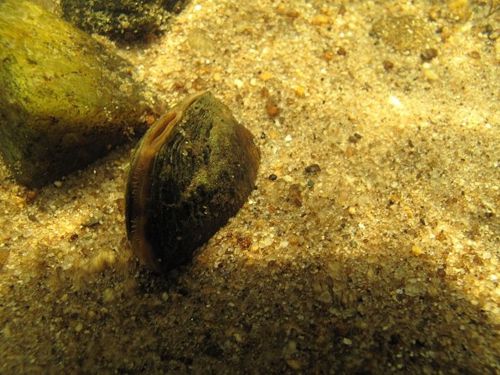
370 244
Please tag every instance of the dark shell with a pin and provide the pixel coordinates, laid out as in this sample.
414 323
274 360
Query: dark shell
192 171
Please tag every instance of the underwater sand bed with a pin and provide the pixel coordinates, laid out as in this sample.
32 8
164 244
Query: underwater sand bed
370 243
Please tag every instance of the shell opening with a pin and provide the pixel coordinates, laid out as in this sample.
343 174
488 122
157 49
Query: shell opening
158 133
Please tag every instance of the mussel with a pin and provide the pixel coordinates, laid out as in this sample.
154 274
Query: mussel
192 171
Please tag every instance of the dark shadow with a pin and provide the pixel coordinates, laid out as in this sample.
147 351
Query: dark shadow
328 314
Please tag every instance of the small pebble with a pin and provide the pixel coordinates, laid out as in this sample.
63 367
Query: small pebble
355 138
79 327
341 51
475 55
284 244
284 11
346 341
238 337
31 196
319 20
328 55
394 100
294 364
429 73
238 83
388 65
428 54
272 109
58 184
273 177
92 222
300 91
217 77
33 218
416 250
312 169
265 76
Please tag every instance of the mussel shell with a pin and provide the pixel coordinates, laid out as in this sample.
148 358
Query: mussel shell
192 171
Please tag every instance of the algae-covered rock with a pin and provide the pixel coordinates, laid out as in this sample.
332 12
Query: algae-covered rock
52 6
65 99
121 20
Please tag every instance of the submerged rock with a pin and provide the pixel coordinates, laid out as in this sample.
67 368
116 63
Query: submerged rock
65 98
121 20
52 6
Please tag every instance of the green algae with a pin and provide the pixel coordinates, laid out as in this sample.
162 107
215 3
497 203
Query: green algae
122 20
66 99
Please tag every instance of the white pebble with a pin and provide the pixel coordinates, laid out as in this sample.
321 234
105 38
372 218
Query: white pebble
238 83
394 100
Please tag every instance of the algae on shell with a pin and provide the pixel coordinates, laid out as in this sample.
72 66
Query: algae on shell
192 171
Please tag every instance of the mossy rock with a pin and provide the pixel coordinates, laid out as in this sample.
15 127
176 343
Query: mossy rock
65 99
121 20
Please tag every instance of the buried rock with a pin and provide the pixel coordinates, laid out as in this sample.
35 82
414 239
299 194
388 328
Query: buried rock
65 99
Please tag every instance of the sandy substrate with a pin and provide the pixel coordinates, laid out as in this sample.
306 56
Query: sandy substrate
370 245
